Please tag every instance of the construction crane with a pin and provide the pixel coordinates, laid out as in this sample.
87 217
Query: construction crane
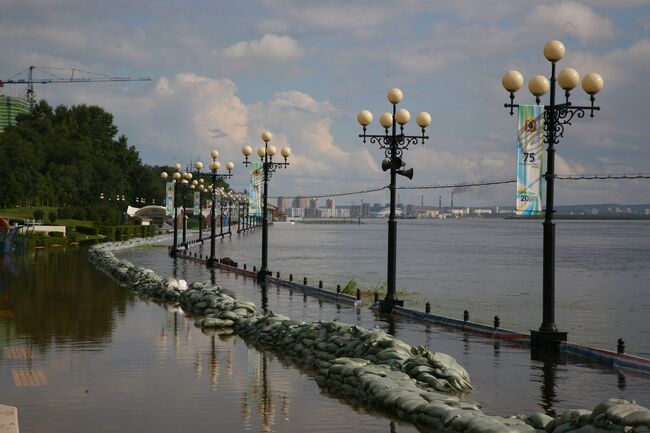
54 75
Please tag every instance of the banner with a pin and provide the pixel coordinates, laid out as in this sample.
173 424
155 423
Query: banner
530 152
255 191
169 199
197 202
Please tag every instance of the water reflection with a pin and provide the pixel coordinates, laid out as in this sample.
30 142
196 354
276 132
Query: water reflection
548 380
54 298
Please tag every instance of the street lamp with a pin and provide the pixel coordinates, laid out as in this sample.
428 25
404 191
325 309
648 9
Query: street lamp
556 116
175 179
214 167
185 182
268 168
393 144
199 166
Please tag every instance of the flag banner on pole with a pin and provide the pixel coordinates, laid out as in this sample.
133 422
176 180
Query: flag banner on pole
197 202
530 152
169 199
255 190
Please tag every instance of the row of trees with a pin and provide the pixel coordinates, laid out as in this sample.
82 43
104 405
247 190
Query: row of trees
67 157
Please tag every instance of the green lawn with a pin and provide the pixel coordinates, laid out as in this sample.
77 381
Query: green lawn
28 213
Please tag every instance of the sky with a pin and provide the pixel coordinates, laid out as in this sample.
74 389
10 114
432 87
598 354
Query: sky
224 71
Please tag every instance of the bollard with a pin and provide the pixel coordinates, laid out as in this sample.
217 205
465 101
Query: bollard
244 266
304 281
277 275
620 347
427 307
290 277
465 316
320 284
201 256
338 289
376 297
497 322
358 294
254 268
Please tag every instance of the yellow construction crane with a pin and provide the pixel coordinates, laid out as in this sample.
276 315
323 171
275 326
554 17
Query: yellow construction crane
51 75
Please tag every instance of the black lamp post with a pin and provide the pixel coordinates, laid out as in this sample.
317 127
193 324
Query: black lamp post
198 183
393 143
268 168
556 116
214 167
175 178
185 182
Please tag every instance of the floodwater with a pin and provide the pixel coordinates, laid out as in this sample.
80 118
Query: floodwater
80 354
486 266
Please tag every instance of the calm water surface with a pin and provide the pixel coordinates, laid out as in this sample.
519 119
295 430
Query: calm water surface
108 362
489 267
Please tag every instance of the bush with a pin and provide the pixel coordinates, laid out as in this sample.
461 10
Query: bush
55 234
93 231
39 214
71 212
51 216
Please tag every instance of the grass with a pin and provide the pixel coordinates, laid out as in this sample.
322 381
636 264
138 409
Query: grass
368 293
28 213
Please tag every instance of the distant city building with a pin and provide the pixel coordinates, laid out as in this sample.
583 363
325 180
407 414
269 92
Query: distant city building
313 203
342 213
296 212
365 210
10 107
299 202
330 203
283 203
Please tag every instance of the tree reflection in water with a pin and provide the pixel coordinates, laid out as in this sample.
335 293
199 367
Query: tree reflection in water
48 292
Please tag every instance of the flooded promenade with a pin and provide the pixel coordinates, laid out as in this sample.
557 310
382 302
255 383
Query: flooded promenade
97 345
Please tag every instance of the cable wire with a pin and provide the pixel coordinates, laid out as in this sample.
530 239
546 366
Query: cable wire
482 183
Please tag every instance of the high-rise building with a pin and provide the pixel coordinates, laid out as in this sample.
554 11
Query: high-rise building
299 202
10 107
283 203
313 203
330 203
365 210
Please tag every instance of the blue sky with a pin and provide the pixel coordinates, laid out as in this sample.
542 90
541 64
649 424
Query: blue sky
225 71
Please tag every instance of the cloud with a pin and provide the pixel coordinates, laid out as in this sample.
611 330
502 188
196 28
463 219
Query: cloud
570 18
270 48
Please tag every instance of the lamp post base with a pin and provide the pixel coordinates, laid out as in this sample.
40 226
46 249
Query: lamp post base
211 262
386 305
261 275
548 342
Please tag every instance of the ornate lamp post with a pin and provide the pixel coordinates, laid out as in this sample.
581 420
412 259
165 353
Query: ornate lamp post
214 167
556 116
393 143
199 166
175 178
187 177
269 167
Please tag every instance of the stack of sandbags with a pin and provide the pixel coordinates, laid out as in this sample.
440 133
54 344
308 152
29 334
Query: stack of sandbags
220 307
325 341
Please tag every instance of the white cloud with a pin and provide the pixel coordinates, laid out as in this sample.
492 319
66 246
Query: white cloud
270 47
570 18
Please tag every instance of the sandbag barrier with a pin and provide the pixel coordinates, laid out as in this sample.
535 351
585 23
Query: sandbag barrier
368 366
